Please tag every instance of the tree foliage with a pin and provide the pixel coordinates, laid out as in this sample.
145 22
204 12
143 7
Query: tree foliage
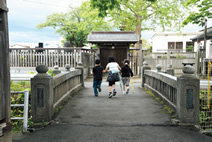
76 24
204 11
104 5
140 15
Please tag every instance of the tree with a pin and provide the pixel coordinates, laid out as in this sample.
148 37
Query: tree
104 5
147 45
139 15
76 24
204 11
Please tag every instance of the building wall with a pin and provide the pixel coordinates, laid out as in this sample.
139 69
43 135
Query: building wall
160 40
208 48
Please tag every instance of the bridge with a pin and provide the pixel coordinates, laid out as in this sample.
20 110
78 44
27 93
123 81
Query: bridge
134 117
140 116
153 112
170 107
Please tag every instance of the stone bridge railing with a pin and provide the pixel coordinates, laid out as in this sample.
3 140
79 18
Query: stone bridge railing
163 84
180 93
49 93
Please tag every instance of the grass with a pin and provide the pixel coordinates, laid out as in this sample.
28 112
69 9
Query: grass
166 108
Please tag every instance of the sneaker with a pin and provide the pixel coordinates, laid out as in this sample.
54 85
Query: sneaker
96 95
99 89
110 95
127 91
124 93
114 93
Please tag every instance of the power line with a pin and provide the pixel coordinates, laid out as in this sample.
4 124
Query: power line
46 4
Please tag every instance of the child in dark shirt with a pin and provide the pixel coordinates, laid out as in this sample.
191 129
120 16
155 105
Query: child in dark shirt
126 72
97 76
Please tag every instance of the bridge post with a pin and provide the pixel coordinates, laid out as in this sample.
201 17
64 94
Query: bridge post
5 123
143 68
80 66
159 67
56 70
188 96
67 67
170 70
42 95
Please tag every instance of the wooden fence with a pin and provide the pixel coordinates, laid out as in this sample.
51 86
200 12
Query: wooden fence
172 57
50 57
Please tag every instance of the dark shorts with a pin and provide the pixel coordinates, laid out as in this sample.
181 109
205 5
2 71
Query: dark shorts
113 77
111 83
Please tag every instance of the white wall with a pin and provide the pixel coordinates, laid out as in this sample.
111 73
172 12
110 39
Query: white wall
208 48
160 40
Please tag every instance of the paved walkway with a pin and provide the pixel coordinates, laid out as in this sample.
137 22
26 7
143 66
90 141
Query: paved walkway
124 118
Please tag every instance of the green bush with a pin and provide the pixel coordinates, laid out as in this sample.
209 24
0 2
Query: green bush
50 72
180 56
17 125
163 57
190 48
205 112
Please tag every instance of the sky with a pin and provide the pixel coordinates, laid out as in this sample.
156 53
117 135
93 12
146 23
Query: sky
24 15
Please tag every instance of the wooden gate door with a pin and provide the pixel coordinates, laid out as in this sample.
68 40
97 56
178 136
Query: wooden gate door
118 53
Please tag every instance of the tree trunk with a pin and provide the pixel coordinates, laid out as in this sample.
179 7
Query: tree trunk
138 30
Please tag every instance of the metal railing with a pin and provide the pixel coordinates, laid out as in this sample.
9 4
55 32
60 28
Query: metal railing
25 105
206 100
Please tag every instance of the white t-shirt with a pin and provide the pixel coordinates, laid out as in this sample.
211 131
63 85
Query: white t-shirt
113 67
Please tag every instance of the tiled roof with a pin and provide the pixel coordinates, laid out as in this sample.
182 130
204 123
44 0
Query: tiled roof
119 36
201 36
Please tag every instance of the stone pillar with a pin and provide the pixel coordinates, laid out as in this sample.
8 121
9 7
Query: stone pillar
67 66
80 66
5 123
67 44
56 70
170 70
145 67
188 96
159 67
42 95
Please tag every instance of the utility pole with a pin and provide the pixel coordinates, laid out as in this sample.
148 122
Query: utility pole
204 49
198 59
141 55
5 123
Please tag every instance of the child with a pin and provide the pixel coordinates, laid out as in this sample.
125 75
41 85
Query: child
126 72
97 76
113 68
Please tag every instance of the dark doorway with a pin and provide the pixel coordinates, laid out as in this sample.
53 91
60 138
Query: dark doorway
118 53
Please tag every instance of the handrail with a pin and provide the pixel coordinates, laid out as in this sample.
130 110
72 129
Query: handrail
25 105
163 84
67 48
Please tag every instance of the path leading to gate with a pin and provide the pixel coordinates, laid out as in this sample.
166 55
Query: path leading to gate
124 118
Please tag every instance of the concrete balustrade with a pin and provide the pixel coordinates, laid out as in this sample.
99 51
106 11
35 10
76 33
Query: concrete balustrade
170 70
56 70
164 85
48 93
180 93
145 67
